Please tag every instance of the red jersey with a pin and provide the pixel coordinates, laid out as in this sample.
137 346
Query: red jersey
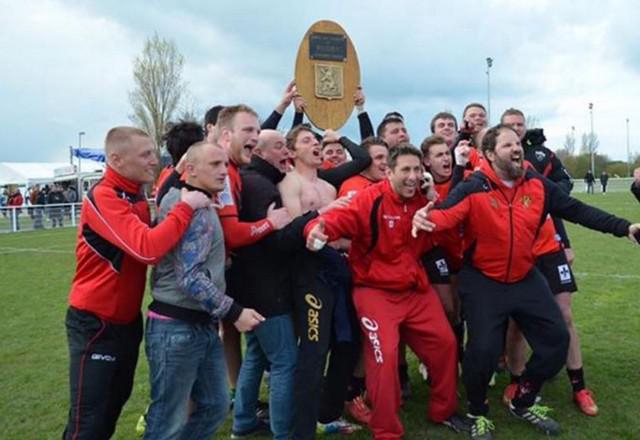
115 245
383 253
353 185
451 240
502 221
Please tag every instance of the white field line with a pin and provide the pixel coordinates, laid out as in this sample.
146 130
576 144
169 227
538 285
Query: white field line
608 275
4 250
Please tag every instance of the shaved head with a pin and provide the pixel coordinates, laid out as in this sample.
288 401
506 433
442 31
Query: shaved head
206 166
197 150
119 139
131 153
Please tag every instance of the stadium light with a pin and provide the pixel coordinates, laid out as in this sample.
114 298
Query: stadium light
489 65
591 142
79 183
628 152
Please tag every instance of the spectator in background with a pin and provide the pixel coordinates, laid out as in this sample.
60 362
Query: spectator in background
57 200
604 179
15 201
71 194
4 198
635 186
38 200
589 180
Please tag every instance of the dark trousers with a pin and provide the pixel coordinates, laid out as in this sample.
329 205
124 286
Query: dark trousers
102 363
487 306
321 282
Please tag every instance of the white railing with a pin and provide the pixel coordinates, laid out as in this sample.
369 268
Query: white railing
35 217
615 184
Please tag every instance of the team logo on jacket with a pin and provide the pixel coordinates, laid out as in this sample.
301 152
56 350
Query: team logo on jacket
540 155
441 264
371 326
313 317
526 201
493 202
564 273
391 220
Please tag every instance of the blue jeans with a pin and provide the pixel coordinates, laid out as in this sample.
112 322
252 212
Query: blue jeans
273 343
186 361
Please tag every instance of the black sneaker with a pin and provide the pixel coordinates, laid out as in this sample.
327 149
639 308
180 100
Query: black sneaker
262 411
537 416
261 429
481 428
458 423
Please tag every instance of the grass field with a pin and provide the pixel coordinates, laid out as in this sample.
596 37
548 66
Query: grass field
37 268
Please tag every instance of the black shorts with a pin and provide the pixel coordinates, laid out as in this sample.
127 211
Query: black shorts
436 265
557 271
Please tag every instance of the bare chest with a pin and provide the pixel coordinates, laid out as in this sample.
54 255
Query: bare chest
315 195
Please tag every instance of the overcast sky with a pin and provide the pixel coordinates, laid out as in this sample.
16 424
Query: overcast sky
66 65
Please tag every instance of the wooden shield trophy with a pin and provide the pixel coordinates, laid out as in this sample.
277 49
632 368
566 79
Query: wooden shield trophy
327 74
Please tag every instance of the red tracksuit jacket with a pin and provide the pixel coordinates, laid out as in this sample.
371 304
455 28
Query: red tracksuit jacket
383 254
503 223
115 245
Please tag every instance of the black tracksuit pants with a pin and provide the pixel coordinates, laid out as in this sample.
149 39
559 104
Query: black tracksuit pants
486 307
322 280
102 364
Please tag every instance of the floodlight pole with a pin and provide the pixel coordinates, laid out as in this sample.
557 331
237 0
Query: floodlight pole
628 152
489 64
591 141
79 185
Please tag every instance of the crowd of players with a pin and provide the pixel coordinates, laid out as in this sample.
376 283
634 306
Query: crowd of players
332 256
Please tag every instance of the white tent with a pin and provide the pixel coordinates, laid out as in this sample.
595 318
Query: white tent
28 173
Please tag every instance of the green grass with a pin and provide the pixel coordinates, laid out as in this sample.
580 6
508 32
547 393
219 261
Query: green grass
37 268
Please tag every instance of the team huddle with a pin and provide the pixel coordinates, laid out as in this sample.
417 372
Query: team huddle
332 257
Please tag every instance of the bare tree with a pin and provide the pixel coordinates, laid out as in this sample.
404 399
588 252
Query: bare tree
157 73
590 143
532 121
570 144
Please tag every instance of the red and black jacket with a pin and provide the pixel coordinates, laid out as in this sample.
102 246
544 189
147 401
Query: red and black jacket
383 254
237 233
502 223
115 245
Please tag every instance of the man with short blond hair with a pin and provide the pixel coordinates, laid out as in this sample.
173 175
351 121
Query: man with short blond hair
115 245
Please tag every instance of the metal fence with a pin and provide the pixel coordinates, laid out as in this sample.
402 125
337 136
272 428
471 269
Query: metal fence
35 217
615 184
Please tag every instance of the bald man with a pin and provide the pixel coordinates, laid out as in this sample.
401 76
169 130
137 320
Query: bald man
115 245
188 289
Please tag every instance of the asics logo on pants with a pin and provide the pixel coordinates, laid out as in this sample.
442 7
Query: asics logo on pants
372 327
313 317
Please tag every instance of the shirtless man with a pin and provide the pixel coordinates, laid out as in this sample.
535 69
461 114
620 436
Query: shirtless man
322 312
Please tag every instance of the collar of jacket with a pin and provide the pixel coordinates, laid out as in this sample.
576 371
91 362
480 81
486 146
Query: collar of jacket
121 182
182 184
266 169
